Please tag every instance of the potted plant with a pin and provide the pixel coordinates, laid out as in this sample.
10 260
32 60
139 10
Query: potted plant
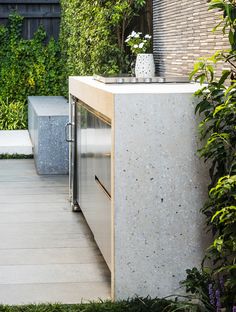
139 45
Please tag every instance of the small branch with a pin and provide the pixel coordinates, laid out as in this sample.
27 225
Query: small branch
231 63
229 57
118 36
123 34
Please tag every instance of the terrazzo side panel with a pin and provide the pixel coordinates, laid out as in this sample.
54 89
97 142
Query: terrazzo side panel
160 186
52 152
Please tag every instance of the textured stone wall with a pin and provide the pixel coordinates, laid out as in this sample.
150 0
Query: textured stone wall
182 32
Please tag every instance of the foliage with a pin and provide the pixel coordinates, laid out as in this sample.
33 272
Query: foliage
27 67
138 43
205 287
12 115
217 106
197 282
16 156
93 33
132 305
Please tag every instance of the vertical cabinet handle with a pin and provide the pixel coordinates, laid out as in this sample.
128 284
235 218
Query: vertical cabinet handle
69 124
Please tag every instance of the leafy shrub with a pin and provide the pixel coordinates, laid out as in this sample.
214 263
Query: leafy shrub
27 67
93 33
217 106
12 115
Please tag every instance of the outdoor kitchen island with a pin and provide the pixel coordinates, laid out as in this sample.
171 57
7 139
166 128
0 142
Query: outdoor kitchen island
143 208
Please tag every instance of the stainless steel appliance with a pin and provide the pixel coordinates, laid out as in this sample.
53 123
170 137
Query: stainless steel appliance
120 79
90 171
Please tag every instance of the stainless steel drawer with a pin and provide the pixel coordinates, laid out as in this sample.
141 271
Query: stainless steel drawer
94 175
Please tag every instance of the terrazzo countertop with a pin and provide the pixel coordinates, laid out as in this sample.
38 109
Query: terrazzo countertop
101 97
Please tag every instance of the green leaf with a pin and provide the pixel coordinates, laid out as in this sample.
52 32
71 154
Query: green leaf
231 37
202 106
224 76
219 4
210 69
201 78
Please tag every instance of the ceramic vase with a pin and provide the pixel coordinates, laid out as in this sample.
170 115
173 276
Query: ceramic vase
144 66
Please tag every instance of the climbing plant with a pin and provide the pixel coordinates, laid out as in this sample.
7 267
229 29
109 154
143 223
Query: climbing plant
93 33
27 67
217 106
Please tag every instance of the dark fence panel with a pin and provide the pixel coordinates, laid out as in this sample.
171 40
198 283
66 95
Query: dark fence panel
35 13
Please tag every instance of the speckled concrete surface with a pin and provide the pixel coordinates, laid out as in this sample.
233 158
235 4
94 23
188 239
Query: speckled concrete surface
160 186
48 116
159 183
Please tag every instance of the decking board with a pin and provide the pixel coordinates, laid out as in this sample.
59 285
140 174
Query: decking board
47 253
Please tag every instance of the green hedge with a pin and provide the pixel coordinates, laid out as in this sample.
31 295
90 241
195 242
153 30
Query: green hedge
16 156
93 33
91 40
27 67
13 115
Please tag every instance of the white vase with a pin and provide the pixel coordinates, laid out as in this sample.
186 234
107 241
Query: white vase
144 66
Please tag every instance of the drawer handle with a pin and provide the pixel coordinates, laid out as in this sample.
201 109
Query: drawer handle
69 124
102 187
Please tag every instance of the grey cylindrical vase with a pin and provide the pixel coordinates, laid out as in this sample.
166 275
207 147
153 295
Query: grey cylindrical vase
144 66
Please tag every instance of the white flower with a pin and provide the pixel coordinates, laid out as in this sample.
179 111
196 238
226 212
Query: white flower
147 36
133 34
136 36
141 45
135 46
128 39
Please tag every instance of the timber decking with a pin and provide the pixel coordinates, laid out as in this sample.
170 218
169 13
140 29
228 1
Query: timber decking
47 253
